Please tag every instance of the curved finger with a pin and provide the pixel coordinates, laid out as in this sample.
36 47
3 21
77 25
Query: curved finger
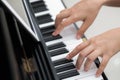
90 59
64 23
87 22
87 50
79 61
63 14
102 66
77 49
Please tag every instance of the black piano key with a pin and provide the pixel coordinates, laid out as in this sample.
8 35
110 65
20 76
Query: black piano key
50 38
55 46
48 29
61 61
44 19
47 34
58 51
38 3
68 74
39 6
64 67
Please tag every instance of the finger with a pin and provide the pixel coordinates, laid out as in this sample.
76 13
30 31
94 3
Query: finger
63 14
84 27
77 49
83 54
90 59
64 23
79 61
87 50
102 66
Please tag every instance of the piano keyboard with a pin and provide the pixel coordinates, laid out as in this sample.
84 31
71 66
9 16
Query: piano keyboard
59 46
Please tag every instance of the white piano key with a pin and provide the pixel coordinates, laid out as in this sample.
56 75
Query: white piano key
55 7
90 75
63 39
68 34
69 39
59 57
69 48
46 24
41 13
33 1
83 75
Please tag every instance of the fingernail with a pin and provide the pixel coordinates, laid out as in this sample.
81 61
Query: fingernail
54 33
67 57
78 68
78 36
97 75
85 69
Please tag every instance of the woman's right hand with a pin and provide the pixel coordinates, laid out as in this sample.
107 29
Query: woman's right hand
85 10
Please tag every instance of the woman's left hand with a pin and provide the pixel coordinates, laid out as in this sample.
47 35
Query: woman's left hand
104 45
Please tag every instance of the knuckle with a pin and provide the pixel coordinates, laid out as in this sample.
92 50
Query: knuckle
58 16
90 58
101 68
62 23
71 10
78 47
74 16
94 42
82 54
80 32
62 10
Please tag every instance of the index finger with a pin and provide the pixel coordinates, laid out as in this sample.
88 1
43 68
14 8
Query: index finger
77 49
63 14
64 23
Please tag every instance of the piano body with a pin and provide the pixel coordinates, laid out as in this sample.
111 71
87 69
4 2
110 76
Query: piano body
35 54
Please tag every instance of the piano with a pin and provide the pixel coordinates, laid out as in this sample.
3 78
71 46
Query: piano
35 54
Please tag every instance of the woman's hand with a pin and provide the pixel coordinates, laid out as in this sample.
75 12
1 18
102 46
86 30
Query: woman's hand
104 45
85 10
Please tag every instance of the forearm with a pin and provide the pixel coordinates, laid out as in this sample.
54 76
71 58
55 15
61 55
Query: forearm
108 2
112 3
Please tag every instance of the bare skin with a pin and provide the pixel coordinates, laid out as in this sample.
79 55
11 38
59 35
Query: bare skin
85 10
105 45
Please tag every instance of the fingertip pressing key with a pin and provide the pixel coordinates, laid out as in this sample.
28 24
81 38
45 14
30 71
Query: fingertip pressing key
78 36
68 57
55 33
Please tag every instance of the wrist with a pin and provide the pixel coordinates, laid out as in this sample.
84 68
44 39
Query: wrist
99 2
102 2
